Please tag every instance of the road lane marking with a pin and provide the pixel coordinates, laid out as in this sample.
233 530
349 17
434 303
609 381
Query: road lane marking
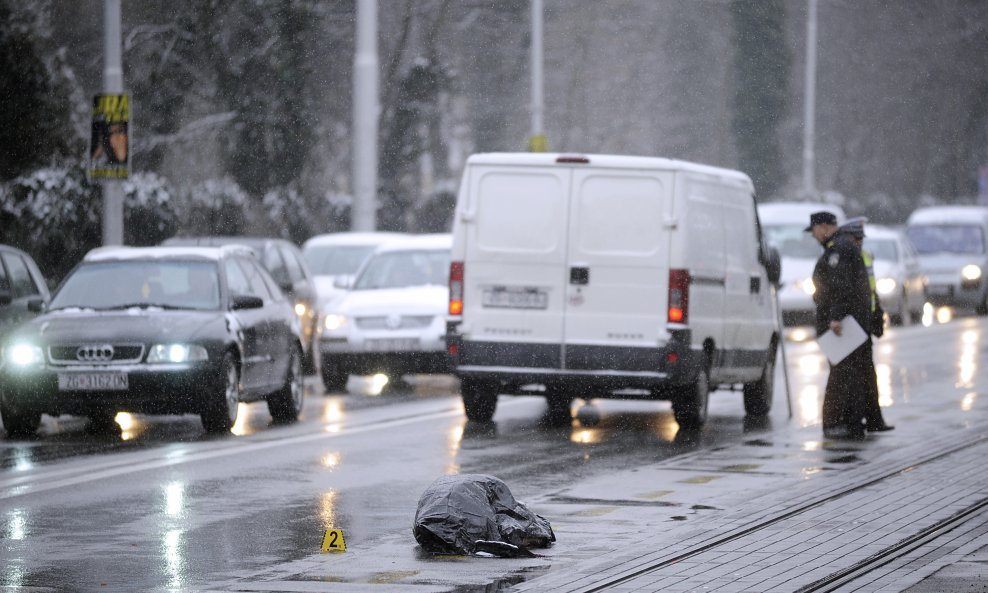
21 486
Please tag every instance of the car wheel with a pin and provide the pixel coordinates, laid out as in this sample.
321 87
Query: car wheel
333 378
689 406
758 394
19 422
221 410
982 309
479 399
286 404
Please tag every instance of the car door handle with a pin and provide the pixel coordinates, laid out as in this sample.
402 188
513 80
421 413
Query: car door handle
756 284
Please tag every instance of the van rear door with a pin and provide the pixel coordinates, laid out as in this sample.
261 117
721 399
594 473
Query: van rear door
515 228
617 269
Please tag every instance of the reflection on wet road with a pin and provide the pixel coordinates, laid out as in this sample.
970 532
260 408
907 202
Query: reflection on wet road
157 505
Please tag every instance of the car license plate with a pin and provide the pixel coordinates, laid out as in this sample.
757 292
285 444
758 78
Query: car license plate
93 382
393 344
515 297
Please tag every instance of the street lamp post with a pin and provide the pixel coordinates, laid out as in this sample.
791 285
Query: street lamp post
365 113
809 105
113 227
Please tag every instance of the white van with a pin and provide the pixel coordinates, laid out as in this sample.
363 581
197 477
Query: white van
952 243
600 276
783 224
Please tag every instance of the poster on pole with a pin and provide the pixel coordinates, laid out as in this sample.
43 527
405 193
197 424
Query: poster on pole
109 154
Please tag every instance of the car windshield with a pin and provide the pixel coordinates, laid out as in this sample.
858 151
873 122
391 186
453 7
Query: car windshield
792 241
401 269
883 249
333 260
168 284
947 238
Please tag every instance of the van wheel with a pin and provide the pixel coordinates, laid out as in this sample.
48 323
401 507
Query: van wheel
689 406
558 410
479 399
758 395
333 378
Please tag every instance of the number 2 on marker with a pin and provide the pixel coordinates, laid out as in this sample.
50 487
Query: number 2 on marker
333 541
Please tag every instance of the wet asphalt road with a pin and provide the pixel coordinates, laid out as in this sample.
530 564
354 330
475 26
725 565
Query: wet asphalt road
158 506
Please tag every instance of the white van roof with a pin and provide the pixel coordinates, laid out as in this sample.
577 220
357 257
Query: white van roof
795 212
609 161
949 215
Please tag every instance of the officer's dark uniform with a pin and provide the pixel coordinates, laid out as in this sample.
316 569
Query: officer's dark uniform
842 288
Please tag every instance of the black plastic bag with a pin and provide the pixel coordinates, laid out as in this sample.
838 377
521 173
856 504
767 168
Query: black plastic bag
476 514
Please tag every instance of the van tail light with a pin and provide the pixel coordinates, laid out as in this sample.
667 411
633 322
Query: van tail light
456 288
679 296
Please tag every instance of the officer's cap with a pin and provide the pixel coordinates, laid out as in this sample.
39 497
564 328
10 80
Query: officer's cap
823 217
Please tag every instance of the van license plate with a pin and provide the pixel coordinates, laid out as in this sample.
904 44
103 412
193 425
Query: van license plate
93 382
393 344
515 297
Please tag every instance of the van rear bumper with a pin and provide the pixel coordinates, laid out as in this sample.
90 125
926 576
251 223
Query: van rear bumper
615 367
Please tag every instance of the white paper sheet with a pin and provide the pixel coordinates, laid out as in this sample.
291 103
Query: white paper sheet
835 347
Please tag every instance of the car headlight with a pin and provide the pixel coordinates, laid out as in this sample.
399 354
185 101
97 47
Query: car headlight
334 322
22 355
177 353
971 272
885 285
300 309
806 285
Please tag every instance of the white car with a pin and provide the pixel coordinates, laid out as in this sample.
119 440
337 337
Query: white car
334 258
393 318
783 224
900 281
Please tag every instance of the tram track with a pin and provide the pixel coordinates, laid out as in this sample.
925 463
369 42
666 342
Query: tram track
838 578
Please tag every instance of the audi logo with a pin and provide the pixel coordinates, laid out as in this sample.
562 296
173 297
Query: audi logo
95 353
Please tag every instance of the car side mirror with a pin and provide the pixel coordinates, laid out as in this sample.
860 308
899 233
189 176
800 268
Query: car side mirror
242 301
36 305
773 265
343 282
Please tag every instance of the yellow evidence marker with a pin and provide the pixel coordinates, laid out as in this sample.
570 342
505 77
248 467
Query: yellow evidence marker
332 541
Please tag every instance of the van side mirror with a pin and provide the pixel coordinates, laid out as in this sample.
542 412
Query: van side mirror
36 305
6 297
773 264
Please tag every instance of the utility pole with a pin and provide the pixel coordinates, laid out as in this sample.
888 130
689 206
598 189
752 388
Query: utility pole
809 104
365 113
113 227
537 141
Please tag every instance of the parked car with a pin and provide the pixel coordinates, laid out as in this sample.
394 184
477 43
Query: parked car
22 288
899 280
156 330
334 258
609 276
284 262
392 320
783 224
953 253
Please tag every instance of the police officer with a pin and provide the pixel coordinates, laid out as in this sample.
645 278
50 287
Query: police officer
874 421
841 283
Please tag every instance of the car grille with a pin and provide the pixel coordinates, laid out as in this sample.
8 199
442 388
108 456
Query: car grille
95 353
394 322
